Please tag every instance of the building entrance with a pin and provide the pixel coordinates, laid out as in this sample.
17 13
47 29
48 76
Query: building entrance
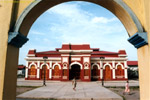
74 72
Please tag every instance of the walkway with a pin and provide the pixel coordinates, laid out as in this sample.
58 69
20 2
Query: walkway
63 90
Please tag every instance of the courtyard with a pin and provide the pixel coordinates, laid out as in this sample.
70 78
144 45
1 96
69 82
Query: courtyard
85 90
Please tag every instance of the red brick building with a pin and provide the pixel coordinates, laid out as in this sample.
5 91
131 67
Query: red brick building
77 60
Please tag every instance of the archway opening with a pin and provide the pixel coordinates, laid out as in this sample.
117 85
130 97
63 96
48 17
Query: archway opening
107 73
95 73
75 72
44 72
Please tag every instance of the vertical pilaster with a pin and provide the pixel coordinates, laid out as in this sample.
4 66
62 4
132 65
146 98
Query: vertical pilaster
113 65
38 69
27 66
101 70
125 70
50 70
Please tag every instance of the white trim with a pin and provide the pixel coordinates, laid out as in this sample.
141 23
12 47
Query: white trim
114 73
31 55
55 65
38 73
75 55
118 65
76 63
50 64
96 65
41 58
125 64
33 63
108 65
122 55
50 73
113 64
110 58
125 73
75 51
101 73
26 76
43 65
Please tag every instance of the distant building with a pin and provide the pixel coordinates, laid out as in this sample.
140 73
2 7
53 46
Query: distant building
21 70
133 65
77 60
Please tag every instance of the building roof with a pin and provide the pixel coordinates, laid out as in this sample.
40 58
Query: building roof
132 63
77 49
21 66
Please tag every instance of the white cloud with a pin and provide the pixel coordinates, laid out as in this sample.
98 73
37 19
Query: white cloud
103 20
75 25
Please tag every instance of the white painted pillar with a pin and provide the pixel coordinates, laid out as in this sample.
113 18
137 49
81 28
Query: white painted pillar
113 65
26 75
125 70
38 69
50 70
101 73
101 70
125 73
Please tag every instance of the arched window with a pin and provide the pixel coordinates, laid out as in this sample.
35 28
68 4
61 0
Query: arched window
44 72
32 70
56 71
119 72
107 73
95 74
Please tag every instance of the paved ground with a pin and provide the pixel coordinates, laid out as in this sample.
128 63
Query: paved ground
63 90
22 82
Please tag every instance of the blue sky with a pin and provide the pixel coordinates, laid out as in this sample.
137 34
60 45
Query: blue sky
78 22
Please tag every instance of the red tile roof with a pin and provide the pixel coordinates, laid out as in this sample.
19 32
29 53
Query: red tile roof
21 66
75 47
131 63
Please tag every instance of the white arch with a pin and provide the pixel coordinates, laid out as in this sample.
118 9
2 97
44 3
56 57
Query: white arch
55 65
76 63
43 65
96 65
118 65
32 64
108 65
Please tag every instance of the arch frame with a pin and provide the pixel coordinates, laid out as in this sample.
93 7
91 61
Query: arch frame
73 63
96 65
32 64
55 65
43 65
136 25
120 65
107 64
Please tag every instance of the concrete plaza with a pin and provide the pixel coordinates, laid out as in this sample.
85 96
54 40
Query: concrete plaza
64 91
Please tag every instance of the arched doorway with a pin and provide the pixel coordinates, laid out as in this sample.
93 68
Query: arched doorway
107 73
95 73
56 72
44 72
119 72
75 71
32 72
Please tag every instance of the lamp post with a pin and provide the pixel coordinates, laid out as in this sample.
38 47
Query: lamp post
45 58
102 58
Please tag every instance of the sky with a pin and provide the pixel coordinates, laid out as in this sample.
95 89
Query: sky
78 22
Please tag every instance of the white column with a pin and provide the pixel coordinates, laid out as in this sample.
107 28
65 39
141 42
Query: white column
125 69
26 75
101 73
125 73
113 65
50 70
50 73
101 70
38 69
